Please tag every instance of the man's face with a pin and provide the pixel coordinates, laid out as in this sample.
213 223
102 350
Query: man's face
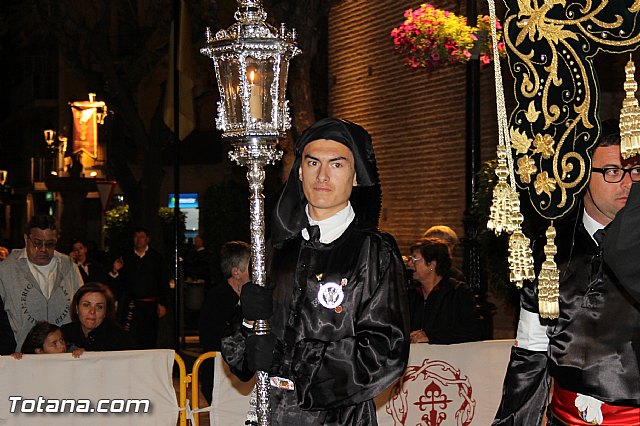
40 245
604 200
140 240
79 253
328 176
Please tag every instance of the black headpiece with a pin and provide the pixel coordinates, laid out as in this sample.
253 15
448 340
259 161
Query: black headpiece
289 215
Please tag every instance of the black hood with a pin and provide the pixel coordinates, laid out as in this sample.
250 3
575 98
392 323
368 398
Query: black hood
289 216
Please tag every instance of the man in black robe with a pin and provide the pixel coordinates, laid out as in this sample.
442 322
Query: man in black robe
592 351
337 302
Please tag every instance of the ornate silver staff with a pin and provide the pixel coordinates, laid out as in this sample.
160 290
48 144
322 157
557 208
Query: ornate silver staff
251 60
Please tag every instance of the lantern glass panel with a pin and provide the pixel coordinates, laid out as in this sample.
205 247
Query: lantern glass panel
230 71
282 87
260 79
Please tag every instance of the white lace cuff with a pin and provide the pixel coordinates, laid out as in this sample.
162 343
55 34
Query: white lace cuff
531 334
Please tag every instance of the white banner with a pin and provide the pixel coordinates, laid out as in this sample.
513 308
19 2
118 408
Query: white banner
99 388
443 385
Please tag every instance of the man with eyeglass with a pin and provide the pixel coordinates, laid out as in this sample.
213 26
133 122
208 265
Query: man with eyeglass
592 351
37 282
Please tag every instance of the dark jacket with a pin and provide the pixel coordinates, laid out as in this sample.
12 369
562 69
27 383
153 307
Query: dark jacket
145 277
219 310
447 315
108 336
98 274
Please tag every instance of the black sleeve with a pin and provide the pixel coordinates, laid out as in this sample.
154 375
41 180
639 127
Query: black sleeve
233 351
215 314
622 244
7 339
527 381
525 389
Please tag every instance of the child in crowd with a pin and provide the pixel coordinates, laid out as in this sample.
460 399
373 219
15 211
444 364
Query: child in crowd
45 338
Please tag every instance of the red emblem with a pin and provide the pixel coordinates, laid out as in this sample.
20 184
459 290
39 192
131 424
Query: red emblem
338 309
447 394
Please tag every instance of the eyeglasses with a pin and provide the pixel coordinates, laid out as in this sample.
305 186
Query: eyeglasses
39 244
414 259
616 174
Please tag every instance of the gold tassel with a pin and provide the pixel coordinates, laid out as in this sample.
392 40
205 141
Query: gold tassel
520 259
502 204
630 115
549 279
520 256
505 212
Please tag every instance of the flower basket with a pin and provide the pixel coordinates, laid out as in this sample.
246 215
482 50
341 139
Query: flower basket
431 37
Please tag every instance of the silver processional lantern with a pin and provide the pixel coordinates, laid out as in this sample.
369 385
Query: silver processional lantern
251 61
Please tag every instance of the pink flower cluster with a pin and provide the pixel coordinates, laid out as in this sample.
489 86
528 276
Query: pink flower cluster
431 37
486 48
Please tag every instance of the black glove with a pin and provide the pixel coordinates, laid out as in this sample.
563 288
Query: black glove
256 302
260 351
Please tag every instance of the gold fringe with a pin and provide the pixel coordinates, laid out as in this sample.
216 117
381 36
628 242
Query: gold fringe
520 259
504 215
503 198
630 115
549 279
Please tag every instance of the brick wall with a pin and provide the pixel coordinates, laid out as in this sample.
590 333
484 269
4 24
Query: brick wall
417 120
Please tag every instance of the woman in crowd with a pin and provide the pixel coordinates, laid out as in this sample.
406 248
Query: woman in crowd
93 325
45 338
442 309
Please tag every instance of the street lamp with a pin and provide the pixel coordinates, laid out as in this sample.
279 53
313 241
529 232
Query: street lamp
57 148
251 61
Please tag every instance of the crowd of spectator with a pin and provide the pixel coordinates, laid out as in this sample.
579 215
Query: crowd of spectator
51 302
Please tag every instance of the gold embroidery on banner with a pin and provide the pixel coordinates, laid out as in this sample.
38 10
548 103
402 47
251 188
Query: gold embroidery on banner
544 145
544 184
526 167
551 44
519 141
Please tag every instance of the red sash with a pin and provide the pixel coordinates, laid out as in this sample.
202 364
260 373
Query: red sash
564 408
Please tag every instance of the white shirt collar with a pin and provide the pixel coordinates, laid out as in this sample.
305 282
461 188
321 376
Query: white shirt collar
146 249
590 224
333 227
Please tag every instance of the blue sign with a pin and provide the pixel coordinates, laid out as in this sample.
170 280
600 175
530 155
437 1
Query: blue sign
188 200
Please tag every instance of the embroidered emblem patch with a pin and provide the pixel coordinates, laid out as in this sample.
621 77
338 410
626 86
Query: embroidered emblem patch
330 295
343 282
